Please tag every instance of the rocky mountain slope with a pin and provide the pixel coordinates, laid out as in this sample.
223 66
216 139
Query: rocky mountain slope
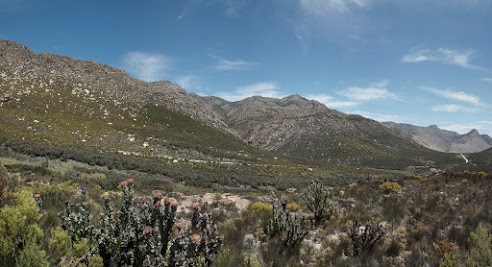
59 100
441 140
62 101
307 129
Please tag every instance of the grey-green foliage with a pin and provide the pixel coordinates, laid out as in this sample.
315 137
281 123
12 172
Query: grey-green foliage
141 233
317 202
289 227
197 245
77 219
364 238
480 252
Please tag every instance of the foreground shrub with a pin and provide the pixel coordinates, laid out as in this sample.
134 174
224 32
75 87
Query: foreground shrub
317 202
20 236
364 237
144 232
480 253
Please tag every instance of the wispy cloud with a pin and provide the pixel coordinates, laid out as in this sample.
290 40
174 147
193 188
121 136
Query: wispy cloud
265 89
443 56
236 64
379 116
486 79
481 126
331 102
453 108
147 66
375 91
323 7
186 82
232 8
456 95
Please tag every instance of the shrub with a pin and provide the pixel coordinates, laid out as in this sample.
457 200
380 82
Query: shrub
293 207
20 236
390 187
480 252
317 202
143 232
364 238
289 228
59 245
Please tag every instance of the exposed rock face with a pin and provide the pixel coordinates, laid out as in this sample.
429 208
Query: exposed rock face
441 140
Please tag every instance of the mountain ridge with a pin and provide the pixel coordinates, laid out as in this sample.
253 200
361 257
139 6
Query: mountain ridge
109 108
438 139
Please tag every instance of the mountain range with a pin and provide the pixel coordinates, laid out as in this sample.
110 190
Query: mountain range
58 100
441 140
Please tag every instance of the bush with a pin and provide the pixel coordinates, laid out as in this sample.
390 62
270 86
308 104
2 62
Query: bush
317 202
390 187
143 231
259 212
20 236
293 207
480 242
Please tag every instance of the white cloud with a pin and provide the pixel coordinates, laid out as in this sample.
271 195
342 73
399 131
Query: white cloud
486 79
375 91
147 66
265 89
481 126
186 82
456 95
443 56
379 116
237 64
452 108
331 102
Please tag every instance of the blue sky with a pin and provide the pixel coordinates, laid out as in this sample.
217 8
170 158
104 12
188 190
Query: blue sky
421 62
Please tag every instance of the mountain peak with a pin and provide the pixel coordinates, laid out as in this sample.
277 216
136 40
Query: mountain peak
474 132
294 97
435 138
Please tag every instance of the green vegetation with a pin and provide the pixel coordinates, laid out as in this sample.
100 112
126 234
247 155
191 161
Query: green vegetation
317 202
363 223
20 235
390 187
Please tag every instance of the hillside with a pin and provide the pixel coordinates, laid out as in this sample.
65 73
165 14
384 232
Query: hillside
62 101
441 140
307 129
57 100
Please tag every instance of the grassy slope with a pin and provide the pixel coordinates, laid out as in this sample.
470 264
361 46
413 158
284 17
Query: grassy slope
61 117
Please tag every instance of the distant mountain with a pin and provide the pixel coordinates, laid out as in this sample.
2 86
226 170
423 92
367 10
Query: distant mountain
441 140
59 100
307 129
